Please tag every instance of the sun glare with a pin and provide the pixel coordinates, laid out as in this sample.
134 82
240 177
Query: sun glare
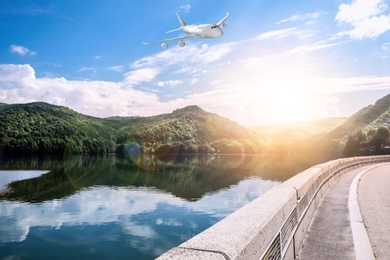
286 104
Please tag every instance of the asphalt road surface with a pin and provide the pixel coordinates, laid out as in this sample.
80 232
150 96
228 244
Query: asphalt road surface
374 203
330 235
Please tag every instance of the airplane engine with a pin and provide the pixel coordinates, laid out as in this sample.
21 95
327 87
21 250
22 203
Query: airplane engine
182 43
224 25
164 45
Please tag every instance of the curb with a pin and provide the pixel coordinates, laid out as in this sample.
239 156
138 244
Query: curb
362 245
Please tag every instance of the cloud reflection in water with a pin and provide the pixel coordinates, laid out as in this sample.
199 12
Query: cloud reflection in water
142 218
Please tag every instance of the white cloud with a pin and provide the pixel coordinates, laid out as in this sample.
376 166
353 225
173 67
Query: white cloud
386 46
276 34
13 72
188 70
190 55
115 68
90 69
191 61
300 17
284 33
169 83
366 17
186 8
99 98
194 81
214 53
314 47
135 77
349 84
371 28
22 51
359 10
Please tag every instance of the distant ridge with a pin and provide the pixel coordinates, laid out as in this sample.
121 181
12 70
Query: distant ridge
292 131
372 115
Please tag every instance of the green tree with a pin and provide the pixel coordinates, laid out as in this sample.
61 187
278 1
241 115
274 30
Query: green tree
353 144
380 138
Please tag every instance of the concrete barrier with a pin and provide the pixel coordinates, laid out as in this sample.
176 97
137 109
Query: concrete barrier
274 225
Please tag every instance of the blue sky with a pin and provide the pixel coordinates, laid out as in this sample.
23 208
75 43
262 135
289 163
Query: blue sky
277 61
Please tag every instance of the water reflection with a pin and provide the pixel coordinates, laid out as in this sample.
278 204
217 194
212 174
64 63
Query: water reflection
7 177
138 214
188 177
108 207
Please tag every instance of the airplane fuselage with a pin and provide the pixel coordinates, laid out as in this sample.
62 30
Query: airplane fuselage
203 30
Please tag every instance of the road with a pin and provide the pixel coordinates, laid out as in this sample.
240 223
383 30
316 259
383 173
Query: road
374 202
331 234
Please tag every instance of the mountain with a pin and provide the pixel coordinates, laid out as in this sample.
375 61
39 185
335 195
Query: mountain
366 132
43 128
292 131
188 130
368 117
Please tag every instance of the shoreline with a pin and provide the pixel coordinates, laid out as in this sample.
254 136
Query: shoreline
9 176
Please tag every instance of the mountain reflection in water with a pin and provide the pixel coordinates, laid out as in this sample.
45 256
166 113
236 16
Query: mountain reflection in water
111 207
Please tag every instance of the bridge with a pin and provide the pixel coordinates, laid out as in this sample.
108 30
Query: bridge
335 210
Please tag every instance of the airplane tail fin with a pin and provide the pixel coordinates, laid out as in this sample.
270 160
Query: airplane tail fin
182 24
222 22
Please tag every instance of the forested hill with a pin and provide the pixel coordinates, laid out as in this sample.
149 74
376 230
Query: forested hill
189 130
367 131
371 116
44 128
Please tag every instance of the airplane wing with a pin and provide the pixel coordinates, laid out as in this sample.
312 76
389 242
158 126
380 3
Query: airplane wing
223 20
174 39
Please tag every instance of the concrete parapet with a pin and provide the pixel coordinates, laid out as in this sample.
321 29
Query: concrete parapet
247 232
281 215
303 181
192 254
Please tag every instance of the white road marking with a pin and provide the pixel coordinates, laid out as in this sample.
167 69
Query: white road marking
362 245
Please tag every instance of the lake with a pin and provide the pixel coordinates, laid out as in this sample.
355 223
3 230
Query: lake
113 207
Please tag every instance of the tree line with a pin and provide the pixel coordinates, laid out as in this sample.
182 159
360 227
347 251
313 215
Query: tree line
372 142
46 129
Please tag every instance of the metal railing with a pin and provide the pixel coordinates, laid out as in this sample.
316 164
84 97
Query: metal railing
285 237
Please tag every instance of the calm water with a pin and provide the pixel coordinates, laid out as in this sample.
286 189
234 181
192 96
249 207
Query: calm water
110 207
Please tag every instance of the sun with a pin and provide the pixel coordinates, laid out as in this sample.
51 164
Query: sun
287 104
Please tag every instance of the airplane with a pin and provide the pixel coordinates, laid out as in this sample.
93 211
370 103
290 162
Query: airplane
201 31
